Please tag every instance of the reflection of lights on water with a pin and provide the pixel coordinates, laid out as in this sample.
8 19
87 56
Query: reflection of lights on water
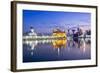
44 41
58 51
31 43
84 49
84 45
34 43
58 44
32 52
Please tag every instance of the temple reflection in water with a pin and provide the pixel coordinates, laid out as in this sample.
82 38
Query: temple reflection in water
52 50
55 48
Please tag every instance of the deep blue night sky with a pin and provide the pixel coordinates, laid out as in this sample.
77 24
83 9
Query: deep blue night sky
46 21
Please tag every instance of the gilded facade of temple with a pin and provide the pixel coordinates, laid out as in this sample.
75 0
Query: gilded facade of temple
59 33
